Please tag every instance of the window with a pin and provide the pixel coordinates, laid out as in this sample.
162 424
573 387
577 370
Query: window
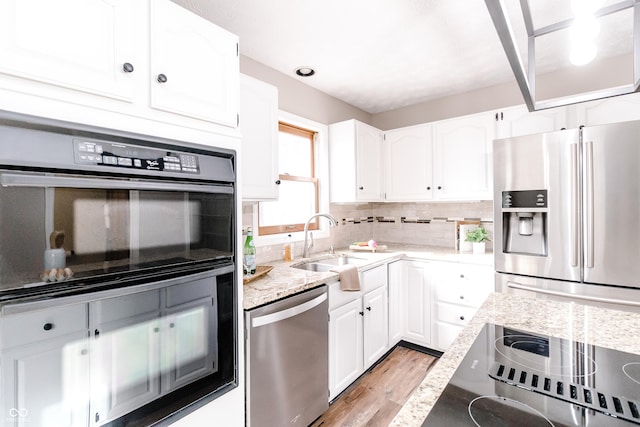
298 195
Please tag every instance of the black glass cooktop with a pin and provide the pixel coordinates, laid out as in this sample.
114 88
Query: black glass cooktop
517 378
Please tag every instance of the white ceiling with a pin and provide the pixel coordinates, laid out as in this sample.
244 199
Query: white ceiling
377 55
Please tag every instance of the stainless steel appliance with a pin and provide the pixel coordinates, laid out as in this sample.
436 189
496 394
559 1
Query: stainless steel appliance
97 219
287 360
514 377
566 214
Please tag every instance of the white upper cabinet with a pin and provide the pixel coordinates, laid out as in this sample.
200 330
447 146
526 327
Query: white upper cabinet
194 65
259 127
518 121
610 110
352 143
409 163
463 163
123 59
81 45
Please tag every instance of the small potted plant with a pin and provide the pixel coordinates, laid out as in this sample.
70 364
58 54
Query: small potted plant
478 237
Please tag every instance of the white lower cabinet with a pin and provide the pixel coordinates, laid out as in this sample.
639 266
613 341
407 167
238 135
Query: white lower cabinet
358 328
88 363
458 291
430 302
396 305
125 356
45 383
417 302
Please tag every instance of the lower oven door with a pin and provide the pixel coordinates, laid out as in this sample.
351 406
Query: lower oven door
612 297
94 226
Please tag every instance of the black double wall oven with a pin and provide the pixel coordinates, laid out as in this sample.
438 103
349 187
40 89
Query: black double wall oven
117 277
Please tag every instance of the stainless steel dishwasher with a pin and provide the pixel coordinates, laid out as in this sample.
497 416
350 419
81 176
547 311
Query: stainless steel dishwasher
288 360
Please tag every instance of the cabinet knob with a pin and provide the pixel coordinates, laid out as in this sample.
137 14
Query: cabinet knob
429 188
156 330
360 188
461 296
461 317
84 352
162 78
369 308
462 276
172 325
277 182
97 417
48 326
127 67
439 187
361 313
96 333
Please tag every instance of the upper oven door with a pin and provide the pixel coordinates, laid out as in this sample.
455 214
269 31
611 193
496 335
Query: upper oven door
109 225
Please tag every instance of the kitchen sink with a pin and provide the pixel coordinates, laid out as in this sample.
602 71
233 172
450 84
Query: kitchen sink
327 264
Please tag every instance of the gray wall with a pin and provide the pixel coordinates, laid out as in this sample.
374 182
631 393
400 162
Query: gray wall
297 98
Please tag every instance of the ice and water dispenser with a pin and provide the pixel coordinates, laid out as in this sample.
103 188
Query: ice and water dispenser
524 222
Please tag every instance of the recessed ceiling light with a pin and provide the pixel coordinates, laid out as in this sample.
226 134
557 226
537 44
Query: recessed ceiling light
305 71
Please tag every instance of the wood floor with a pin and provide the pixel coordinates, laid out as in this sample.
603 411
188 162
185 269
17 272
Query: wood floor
376 398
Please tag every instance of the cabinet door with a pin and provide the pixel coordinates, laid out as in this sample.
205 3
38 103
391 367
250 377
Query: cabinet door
610 110
259 125
125 362
189 343
519 121
369 175
409 164
76 44
345 346
46 383
125 354
417 294
463 164
376 325
395 302
199 62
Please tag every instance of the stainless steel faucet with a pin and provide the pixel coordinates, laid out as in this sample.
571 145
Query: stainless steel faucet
308 246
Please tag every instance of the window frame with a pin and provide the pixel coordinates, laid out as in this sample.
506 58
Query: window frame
284 126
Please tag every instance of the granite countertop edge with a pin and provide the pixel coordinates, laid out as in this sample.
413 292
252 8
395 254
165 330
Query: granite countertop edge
284 280
587 324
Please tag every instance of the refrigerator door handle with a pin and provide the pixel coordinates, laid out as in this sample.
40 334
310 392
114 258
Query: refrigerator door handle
589 192
575 207
514 285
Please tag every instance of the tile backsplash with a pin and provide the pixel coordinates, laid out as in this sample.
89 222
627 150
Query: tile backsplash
432 224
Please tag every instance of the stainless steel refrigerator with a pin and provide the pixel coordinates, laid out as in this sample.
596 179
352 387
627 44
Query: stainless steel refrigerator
567 215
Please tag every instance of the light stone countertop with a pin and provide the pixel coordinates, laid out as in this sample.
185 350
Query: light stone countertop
590 325
284 280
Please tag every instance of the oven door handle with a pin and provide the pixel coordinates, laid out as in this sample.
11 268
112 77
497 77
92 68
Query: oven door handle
47 181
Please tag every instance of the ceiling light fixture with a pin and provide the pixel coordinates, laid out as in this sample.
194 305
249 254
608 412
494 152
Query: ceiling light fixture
305 71
583 32
585 49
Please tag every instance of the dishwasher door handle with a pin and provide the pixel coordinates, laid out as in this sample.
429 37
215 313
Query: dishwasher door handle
287 313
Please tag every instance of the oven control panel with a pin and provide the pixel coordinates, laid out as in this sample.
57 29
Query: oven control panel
133 157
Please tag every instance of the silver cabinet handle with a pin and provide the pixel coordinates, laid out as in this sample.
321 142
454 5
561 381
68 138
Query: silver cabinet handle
575 210
519 286
589 238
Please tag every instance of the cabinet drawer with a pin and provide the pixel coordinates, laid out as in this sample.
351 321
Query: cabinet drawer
190 291
446 333
373 279
28 327
455 314
465 294
338 298
126 306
